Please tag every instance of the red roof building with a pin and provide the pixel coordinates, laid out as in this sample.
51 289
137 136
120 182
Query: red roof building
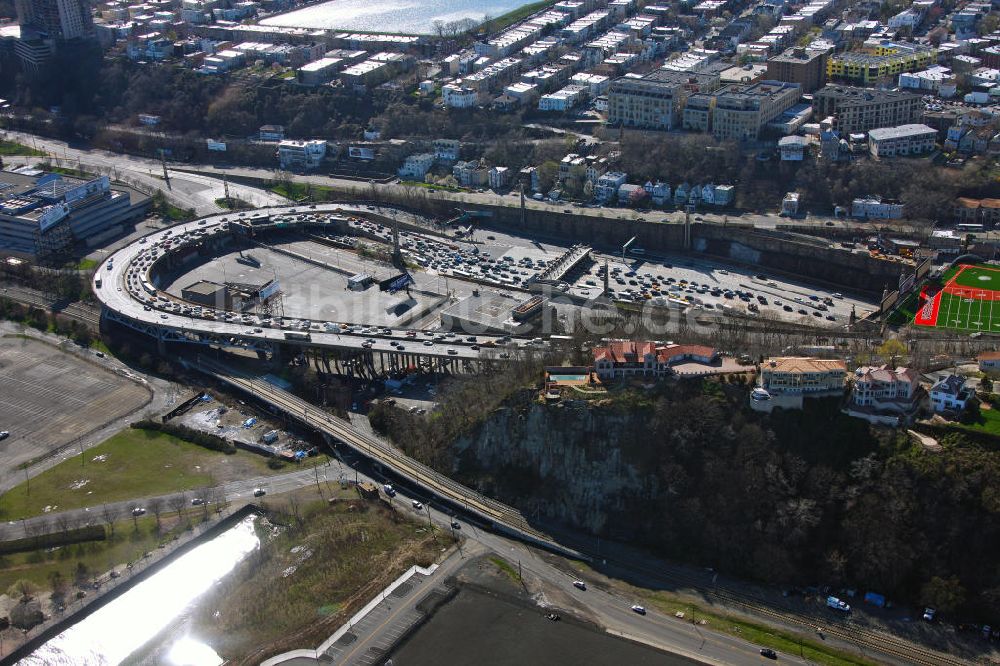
631 358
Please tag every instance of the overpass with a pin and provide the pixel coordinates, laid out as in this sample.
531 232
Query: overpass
458 497
126 286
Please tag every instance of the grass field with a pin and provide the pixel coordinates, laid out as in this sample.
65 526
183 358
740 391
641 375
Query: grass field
14 148
310 577
128 544
133 463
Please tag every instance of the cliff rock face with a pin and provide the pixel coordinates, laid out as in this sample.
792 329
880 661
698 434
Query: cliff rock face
570 462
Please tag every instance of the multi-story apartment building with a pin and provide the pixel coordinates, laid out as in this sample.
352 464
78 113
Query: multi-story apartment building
742 111
876 208
911 139
301 154
807 67
864 109
656 100
977 211
57 19
885 59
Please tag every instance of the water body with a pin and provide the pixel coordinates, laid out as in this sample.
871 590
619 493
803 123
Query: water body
411 17
149 624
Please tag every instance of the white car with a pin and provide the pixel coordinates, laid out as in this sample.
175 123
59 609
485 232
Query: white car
579 584
259 492
138 511
638 609
417 505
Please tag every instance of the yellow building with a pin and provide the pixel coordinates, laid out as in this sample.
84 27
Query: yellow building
883 60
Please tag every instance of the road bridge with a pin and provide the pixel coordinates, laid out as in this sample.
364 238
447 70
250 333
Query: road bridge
126 286
459 497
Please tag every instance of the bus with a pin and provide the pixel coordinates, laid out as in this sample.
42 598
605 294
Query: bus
969 227
295 335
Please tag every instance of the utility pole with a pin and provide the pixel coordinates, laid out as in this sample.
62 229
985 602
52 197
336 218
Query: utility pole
225 184
163 161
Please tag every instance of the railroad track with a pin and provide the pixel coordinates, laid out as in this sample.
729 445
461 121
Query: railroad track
74 310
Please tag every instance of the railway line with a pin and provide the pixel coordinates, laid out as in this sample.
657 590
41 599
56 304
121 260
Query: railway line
76 311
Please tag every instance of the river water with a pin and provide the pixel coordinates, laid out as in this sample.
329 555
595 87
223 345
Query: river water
412 17
149 624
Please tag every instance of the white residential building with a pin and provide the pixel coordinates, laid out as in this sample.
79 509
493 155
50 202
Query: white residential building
949 394
415 167
792 148
608 184
875 208
911 139
562 100
456 96
446 150
790 204
301 154
885 395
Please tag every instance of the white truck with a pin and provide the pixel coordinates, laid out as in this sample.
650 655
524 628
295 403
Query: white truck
837 604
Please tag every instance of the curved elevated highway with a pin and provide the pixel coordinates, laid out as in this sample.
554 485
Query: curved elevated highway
127 287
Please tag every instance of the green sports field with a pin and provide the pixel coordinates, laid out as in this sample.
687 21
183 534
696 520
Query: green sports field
968 314
978 277
968 301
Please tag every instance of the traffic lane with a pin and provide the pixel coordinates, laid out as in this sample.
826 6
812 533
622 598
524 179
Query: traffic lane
615 613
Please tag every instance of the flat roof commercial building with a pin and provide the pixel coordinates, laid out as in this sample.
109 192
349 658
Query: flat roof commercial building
656 100
885 60
799 65
912 139
863 109
43 214
741 112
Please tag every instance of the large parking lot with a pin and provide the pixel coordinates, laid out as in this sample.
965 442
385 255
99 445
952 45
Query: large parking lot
49 398
714 287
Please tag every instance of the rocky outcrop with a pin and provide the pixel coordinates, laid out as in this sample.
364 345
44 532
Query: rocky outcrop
574 462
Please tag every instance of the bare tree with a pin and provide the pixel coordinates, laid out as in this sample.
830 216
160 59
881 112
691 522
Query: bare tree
155 506
109 514
177 504
63 522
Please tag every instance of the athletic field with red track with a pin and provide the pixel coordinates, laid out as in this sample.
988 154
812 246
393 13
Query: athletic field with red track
968 301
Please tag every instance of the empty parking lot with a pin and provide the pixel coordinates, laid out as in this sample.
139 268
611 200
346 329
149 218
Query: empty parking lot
49 398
